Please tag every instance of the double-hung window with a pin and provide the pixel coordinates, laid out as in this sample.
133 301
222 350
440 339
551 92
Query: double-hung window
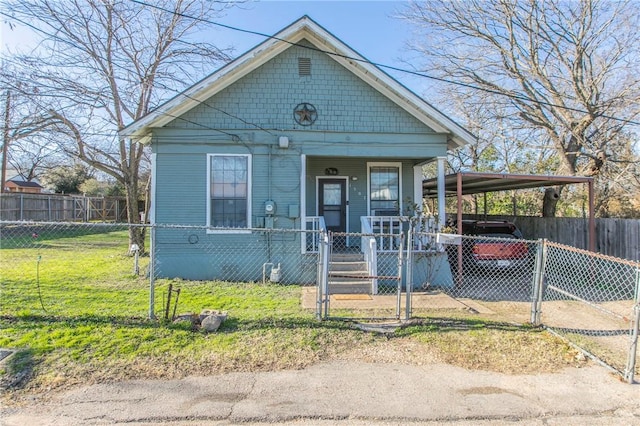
384 186
229 200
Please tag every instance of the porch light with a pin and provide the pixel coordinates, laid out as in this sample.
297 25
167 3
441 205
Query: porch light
283 142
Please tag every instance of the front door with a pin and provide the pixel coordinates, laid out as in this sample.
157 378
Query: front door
332 203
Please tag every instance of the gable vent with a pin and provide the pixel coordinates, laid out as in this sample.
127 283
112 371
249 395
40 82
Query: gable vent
304 66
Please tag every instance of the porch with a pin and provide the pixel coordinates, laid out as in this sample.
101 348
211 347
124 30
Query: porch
391 253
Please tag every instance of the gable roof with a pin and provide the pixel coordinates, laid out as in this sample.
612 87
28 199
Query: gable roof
24 184
303 29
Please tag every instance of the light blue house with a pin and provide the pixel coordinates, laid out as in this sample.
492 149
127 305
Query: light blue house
298 131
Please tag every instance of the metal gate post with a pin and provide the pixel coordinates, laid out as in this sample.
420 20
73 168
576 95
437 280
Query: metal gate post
538 281
322 249
409 269
635 326
319 278
399 286
327 242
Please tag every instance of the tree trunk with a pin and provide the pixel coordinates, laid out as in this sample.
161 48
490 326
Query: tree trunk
136 233
550 202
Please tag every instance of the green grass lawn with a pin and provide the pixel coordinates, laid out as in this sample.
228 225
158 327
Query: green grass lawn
76 313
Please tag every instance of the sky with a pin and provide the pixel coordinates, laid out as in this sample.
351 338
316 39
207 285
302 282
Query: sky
371 28
368 27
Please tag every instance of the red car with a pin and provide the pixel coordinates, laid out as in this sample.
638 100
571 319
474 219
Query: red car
494 244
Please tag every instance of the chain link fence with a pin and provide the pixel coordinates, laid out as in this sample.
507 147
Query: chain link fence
591 300
71 270
491 275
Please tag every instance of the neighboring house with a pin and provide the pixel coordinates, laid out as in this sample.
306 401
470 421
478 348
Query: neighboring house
287 136
18 185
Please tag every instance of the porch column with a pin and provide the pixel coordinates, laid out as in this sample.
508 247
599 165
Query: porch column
303 191
303 202
441 206
417 186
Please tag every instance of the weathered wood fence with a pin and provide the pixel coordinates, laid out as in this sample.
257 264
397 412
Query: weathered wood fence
61 208
614 237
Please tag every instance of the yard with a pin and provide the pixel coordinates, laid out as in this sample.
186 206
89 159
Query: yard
74 312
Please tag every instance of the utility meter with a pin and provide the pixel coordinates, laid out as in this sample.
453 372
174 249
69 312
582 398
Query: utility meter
270 207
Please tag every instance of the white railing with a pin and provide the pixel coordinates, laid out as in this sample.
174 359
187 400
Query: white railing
387 229
311 240
424 229
368 246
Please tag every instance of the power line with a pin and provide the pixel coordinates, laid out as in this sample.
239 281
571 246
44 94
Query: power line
234 137
75 45
383 66
205 103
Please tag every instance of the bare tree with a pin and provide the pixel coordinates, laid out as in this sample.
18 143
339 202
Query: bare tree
104 63
23 146
502 146
568 68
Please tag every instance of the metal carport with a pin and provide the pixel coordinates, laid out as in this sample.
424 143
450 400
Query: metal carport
464 183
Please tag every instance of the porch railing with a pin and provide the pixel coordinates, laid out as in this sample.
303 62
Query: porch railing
311 240
424 228
387 228
384 230
369 248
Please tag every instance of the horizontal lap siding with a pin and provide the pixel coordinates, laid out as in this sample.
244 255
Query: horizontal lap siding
181 189
194 254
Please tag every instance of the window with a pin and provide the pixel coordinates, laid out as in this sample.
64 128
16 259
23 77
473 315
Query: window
384 184
229 191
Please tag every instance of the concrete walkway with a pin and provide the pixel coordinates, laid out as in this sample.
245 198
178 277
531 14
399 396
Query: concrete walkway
349 393
433 300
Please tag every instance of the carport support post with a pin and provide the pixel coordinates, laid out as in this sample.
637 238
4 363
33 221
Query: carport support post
592 220
441 194
458 278
538 281
635 326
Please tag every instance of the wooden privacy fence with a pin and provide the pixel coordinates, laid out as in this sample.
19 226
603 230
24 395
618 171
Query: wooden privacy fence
614 237
61 208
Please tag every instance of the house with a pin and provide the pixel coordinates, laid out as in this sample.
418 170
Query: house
16 184
299 131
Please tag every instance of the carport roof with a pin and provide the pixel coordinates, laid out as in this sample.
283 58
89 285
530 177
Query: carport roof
476 182
462 183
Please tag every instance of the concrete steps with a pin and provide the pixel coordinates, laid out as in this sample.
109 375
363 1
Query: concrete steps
348 274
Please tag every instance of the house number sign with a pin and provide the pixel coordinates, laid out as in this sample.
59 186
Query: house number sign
305 114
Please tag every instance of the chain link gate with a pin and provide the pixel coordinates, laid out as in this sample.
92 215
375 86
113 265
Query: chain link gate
593 301
360 276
